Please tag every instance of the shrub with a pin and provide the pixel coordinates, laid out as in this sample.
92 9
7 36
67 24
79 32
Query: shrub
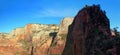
53 34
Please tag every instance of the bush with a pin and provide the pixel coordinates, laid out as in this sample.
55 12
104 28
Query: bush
53 34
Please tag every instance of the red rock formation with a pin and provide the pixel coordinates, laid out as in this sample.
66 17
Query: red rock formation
89 34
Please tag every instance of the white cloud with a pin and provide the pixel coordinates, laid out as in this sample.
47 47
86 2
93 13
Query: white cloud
57 13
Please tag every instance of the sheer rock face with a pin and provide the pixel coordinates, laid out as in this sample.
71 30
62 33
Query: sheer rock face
89 34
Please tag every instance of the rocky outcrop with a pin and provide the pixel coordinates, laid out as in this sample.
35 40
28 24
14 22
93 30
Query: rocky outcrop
63 28
89 34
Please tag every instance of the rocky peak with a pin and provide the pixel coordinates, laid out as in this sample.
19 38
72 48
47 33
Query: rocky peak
89 34
64 25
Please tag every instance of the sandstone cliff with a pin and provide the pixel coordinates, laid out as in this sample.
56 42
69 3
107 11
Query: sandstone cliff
35 39
21 41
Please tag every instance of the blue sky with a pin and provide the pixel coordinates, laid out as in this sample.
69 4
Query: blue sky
18 13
